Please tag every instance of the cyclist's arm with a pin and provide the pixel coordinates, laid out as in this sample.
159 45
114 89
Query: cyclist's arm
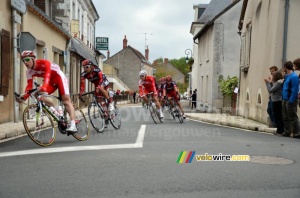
47 65
141 93
82 85
153 85
100 75
28 87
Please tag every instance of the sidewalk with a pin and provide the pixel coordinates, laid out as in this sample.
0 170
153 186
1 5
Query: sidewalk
11 129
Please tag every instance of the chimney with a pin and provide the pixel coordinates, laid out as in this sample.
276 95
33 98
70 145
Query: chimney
155 63
124 42
108 54
166 61
147 53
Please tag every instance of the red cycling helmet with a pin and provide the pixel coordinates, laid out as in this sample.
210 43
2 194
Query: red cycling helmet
27 53
168 78
87 62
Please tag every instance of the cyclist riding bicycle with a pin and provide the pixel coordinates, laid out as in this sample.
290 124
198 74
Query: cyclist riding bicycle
54 79
94 74
161 83
171 90
147 85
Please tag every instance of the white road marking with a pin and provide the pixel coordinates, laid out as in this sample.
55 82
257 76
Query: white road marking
141 135
137 144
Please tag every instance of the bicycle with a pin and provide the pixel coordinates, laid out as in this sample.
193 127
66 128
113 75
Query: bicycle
38 120
99 115
174 109
168 108
153 109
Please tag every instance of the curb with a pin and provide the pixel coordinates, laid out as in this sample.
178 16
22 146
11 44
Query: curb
233 123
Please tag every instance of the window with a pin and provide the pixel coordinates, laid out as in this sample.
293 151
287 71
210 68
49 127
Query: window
5 62
248 45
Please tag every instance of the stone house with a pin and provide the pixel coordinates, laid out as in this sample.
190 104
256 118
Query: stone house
218 49
52 42
128 63
269 35
6 62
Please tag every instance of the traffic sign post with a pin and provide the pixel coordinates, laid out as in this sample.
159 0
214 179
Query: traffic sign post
19 5
102 43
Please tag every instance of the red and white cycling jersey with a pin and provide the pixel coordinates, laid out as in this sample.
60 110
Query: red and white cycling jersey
54 78
146 86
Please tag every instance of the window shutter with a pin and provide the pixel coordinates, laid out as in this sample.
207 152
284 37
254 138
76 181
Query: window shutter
5 62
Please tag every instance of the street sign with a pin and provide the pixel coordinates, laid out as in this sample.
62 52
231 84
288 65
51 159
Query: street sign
19 5
101 46
17 18
101 43
101 39
26 41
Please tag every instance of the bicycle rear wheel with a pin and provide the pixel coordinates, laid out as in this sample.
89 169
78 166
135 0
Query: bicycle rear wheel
96 117
115 118
82 125
39 126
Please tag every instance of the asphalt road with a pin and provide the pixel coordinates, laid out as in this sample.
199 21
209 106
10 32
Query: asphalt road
140 160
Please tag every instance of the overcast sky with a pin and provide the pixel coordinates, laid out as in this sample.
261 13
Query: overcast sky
166 22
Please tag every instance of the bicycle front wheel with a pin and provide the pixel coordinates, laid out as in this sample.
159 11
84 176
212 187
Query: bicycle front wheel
115 118
82 125
96 117
178 114
39 126
153 113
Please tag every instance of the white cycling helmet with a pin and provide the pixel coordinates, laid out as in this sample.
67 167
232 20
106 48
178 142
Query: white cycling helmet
143 73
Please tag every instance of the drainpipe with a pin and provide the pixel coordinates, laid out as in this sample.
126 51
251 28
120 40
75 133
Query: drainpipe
16 67
68 57
286 20
240 75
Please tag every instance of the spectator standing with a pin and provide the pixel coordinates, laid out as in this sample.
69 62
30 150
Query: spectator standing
296 63
289 104
194 99
273 69
134 96
275 91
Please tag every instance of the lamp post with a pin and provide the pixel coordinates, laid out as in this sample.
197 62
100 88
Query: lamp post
188 52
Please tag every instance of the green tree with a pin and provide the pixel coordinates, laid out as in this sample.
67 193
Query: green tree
227 86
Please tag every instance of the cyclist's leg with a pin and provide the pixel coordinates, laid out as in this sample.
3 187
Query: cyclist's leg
62 83
103 92
158 105
50 90
143 95
181 109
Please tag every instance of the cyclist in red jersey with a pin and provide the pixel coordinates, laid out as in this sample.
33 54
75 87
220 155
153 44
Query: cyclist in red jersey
147 85
54 79
170 90
94 74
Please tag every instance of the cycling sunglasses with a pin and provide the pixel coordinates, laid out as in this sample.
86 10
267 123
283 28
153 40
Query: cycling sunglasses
25 60
86 67
142 76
